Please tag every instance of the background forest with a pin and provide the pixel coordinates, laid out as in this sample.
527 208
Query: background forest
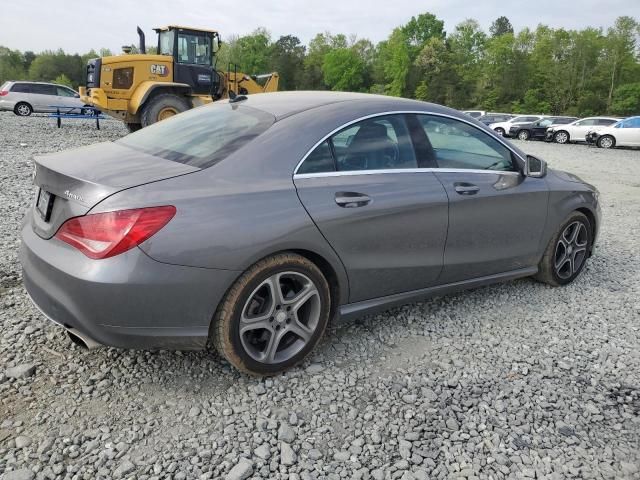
546 70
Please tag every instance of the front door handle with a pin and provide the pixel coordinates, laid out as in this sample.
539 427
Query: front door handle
352 199
464 188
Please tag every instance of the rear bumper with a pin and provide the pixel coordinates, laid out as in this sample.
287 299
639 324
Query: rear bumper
8 105
127 301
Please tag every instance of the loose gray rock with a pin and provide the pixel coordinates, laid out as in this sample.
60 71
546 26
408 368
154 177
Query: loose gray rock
242 470
286 433
21 371
263 451
287 455
123 469
22 474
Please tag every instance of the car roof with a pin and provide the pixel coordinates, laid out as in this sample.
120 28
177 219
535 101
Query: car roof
285 104
41 83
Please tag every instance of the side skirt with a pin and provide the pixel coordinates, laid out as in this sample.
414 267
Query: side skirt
350 311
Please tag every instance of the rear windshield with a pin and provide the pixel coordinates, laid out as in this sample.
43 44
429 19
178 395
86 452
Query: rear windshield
203 136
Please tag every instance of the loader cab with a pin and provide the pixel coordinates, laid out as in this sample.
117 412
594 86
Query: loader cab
194 56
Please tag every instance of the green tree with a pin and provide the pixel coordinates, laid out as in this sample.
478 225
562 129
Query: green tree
252 52
626 100
62 79
343 70
396 61
500 26
287 58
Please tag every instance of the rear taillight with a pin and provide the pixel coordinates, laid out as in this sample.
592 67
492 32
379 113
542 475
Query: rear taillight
4 92
104 235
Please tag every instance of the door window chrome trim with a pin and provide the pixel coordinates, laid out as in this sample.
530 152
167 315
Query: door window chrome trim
401 170
398 112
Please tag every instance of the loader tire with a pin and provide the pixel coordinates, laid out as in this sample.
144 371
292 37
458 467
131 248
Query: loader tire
161 107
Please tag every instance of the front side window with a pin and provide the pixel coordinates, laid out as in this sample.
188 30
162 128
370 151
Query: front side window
203 136
194 49
458 145
379 143
65 92
604 122
166 42
586 123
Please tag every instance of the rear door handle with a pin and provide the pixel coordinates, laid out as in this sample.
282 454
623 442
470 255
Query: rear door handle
352 199
466 188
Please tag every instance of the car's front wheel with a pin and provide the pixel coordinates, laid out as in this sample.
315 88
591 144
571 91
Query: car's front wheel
23 109
606 141
561 137
500 131
273 315
567 252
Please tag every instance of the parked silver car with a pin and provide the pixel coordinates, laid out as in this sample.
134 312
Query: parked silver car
255 222
25 98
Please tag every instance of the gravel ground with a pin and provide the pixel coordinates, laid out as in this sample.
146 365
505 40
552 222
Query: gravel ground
512 381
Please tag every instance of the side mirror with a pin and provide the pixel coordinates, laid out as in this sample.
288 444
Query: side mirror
534 167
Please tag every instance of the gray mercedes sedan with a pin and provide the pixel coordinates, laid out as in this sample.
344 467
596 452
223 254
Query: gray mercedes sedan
255 222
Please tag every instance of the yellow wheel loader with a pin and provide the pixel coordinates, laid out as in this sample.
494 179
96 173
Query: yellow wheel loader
141 89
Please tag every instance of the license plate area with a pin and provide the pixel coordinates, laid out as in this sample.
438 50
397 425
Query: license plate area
44 204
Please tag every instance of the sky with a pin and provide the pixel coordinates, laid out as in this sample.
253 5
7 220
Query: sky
80 25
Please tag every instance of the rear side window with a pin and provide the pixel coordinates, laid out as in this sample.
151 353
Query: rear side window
21 88
203 136
43 89
458 145
379 143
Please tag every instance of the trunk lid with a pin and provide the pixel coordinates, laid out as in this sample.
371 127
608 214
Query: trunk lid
79 179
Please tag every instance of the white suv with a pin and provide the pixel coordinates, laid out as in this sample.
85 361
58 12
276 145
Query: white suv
24 98
576 131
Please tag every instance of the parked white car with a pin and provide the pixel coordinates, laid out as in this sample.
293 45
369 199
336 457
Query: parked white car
503 127
475 113
577 131
625 133
25 98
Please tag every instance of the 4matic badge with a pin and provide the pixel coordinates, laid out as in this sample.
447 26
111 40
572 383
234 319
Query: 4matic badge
160 70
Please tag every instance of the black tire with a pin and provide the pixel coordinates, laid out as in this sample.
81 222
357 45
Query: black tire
500 131
237 302
548 271
154 109
606 141
133 127
23 109
523 135
561 137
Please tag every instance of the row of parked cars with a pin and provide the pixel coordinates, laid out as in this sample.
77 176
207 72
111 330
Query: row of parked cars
604 131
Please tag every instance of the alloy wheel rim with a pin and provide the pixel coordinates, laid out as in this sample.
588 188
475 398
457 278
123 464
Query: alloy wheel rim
571 250
523 135
561 137
606 142
280 317
23 110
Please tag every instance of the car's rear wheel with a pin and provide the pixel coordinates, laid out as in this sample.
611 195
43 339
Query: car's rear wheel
273 315
523 135
500 131
23 109
567 252
561 137
161 107
606 141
